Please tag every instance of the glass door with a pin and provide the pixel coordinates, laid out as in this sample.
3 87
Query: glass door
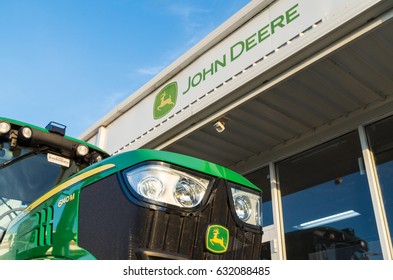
326 203
380 136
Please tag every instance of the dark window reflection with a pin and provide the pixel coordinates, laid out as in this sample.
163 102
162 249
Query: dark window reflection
266 251
326 203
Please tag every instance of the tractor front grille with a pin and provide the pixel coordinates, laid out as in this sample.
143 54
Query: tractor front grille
113 227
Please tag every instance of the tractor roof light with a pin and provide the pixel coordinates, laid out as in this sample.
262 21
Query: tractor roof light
26 133
82 150
5 127
96 157
56 128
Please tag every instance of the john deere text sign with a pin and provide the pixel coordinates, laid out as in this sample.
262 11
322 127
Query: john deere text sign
217 239
266 40
232 55
165 100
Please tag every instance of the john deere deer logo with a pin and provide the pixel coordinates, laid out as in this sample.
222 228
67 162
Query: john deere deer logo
165 100
217 238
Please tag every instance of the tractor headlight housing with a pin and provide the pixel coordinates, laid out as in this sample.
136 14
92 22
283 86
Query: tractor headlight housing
163 184
247 205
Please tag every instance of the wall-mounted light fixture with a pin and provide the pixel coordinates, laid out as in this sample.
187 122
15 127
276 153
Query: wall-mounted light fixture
219 126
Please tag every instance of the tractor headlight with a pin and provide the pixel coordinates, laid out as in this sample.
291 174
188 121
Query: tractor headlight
243 208
248 206
188 192
163 184
150 187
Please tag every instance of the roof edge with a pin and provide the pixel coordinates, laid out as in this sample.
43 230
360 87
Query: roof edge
217 35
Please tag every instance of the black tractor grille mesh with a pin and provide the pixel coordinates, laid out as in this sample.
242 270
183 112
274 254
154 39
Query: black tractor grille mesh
112 227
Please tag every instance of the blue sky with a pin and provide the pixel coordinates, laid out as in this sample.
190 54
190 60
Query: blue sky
72 61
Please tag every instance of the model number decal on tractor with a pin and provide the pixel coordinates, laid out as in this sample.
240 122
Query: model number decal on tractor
66 199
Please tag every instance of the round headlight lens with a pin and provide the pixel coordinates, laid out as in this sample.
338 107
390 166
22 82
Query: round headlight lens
5 127
185 193
82 150
150 187
188 193
243 207
26 132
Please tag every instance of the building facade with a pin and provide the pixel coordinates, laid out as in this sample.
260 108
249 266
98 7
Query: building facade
298 97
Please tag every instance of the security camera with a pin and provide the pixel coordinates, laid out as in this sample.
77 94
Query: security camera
219 126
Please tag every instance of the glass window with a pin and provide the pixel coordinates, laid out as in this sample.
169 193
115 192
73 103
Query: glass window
261 178
25 175
380 136
326 203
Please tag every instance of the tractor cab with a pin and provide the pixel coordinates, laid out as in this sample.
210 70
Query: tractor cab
34 160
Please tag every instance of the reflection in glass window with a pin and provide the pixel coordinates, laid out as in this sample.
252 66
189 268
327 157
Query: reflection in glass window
261 178
326 203
381 141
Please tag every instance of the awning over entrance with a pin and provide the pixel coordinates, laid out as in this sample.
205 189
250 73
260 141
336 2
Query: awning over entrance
279 76
333 90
